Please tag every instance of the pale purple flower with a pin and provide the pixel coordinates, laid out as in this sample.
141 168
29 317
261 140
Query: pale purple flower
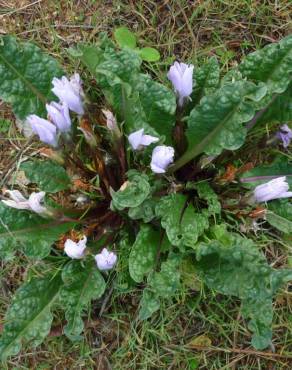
274 189
285 134
75 250
181 76
138 140
70 92
33 203
111 121
105 260
162 157
46 131
59 115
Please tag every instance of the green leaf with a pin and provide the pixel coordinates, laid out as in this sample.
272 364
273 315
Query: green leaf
132 193
217 122
125 38
236 267
26 75
29 318
206 78
279 215
281 166
148 305
82 283
158 104
149 54
49 176
167 281
271 65
207 193
182 223
28 232
145 211
143 253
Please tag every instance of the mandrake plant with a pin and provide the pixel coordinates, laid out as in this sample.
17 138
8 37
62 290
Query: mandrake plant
157 175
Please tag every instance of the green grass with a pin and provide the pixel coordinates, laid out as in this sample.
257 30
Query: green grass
187 31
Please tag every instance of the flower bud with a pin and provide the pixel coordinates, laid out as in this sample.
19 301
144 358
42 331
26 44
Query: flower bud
138 140
59 115
70 92
162 157
75 250
285 134
274 189
46 131
181 76
105 260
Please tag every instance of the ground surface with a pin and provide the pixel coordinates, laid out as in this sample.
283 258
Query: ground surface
187 30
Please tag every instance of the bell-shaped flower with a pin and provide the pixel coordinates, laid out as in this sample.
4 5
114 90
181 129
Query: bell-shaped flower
181 76
138 140
274 189
33 203
285 134
75 250
70 92
59 115
105 260
46 131
162 157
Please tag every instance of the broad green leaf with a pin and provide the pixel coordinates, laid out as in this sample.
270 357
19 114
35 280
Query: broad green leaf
145 211
217 122
148 305
182 223
143 253
166 282
262 174
29 318
125 38
280 110
158 104
49 176
132 193
271 65
27 231
236 267
206 80
82 283
279 215
149 54
207 193
26 75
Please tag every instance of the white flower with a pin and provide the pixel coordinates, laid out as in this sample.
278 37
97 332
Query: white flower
59 114
162 157
70 92
75 250
181 76
33 203
138 140
111 121
274 189
105 260
46 131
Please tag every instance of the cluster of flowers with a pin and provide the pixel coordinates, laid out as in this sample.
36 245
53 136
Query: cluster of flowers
71 97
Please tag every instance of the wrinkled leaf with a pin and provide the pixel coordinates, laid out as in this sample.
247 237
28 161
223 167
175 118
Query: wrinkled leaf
82 283
271 65
279 215
148 305
29 318
182 223
26 75
143 253
132 193
207 193
49 176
